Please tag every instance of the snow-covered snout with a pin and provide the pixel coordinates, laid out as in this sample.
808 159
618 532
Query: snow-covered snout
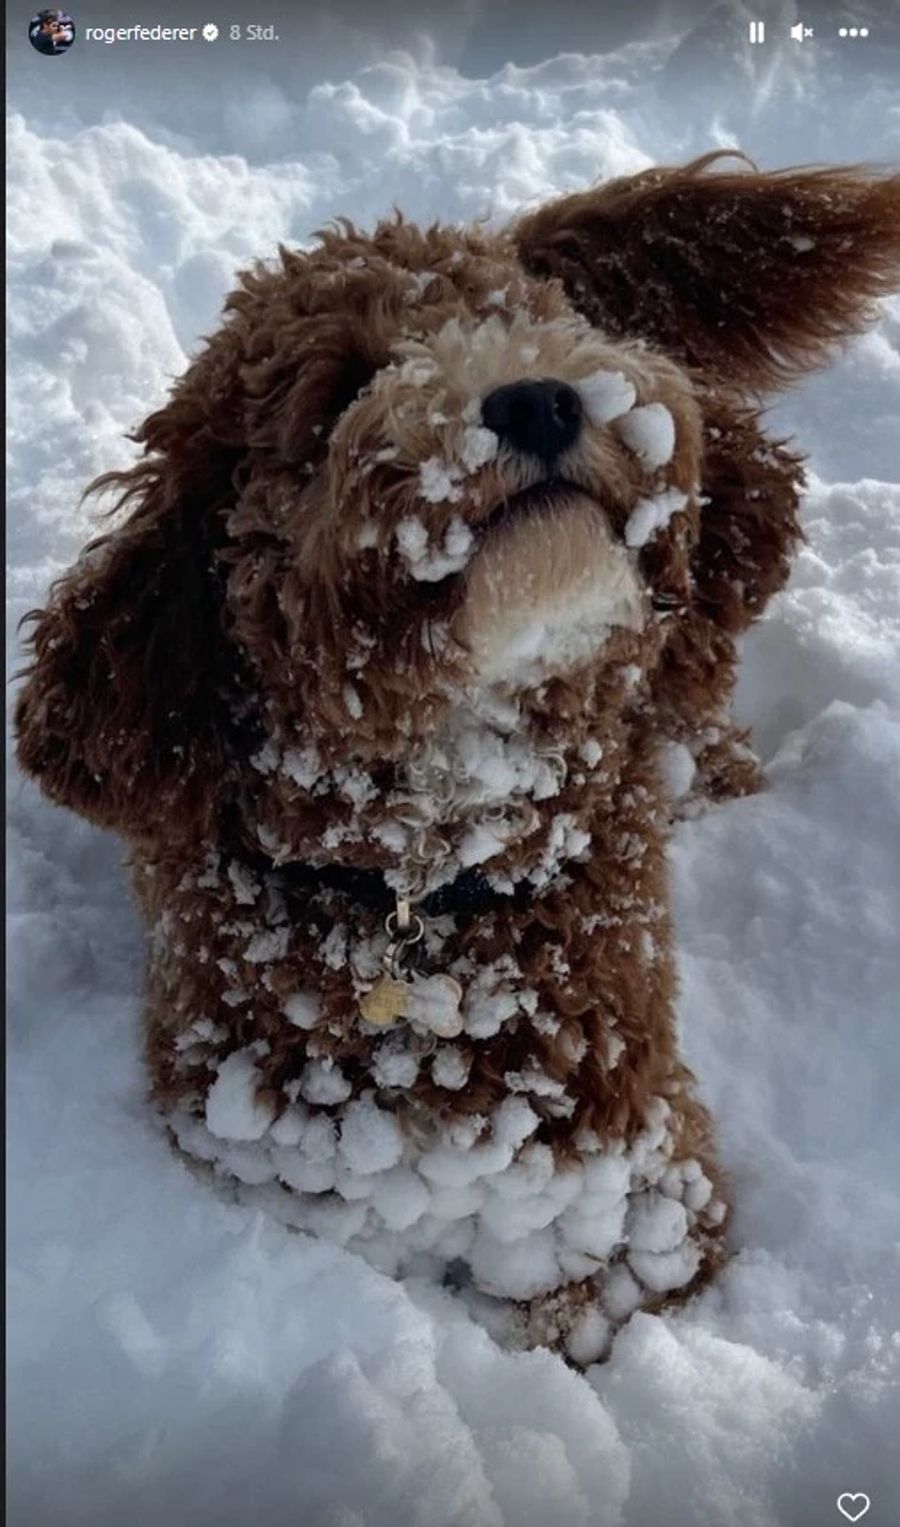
524 487
545 590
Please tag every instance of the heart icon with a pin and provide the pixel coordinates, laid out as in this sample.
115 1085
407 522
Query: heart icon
853 1507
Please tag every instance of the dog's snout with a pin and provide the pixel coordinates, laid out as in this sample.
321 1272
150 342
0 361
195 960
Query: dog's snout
543 417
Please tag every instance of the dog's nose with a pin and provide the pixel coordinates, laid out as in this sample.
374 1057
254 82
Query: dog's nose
542 417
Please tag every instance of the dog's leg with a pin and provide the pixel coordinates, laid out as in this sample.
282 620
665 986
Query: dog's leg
673 1244
581 1320
693 695
221 948
725 766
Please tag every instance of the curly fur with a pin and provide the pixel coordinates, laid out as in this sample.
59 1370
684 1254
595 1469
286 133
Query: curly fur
277 656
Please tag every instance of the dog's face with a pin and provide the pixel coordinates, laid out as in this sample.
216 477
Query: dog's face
433 481
508 499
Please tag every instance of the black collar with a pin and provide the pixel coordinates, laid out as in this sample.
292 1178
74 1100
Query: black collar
468 896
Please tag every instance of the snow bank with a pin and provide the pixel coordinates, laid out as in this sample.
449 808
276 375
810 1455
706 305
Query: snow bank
174 1357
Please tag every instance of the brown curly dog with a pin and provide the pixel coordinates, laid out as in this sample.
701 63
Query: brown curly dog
421 617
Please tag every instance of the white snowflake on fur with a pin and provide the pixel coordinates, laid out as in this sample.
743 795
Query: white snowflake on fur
427 564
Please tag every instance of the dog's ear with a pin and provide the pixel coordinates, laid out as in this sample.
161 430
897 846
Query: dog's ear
122 715
746 276
129 707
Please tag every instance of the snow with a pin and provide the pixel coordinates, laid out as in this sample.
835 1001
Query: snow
650 433
656 1223
480 843
302 765
520 1268
434 1005
439 481
478 447
370 1138
605 395
520 1224
588 1338
679 769
233 1110
265 947
246 889
426 564
450 1068
303 1009
652 514
322 1081
179 1356
395 1065
352 702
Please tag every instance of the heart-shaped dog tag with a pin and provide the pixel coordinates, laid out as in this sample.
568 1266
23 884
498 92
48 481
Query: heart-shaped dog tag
853 1507
387 1001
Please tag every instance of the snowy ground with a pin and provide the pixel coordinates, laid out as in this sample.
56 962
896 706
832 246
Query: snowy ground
175 1359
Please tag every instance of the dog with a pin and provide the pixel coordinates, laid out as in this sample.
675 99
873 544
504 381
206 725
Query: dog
417 622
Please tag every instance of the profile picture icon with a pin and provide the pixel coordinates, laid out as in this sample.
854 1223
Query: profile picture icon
51 32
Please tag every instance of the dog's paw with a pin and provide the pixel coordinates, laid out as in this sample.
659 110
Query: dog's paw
719 766
571 1321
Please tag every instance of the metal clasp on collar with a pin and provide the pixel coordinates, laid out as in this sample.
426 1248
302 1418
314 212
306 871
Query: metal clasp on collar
404 928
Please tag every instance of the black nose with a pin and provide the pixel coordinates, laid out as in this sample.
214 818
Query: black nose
543 417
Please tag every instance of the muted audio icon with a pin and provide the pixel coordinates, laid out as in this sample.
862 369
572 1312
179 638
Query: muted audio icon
800 32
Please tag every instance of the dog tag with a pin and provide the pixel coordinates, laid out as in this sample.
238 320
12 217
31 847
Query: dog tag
387 1001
